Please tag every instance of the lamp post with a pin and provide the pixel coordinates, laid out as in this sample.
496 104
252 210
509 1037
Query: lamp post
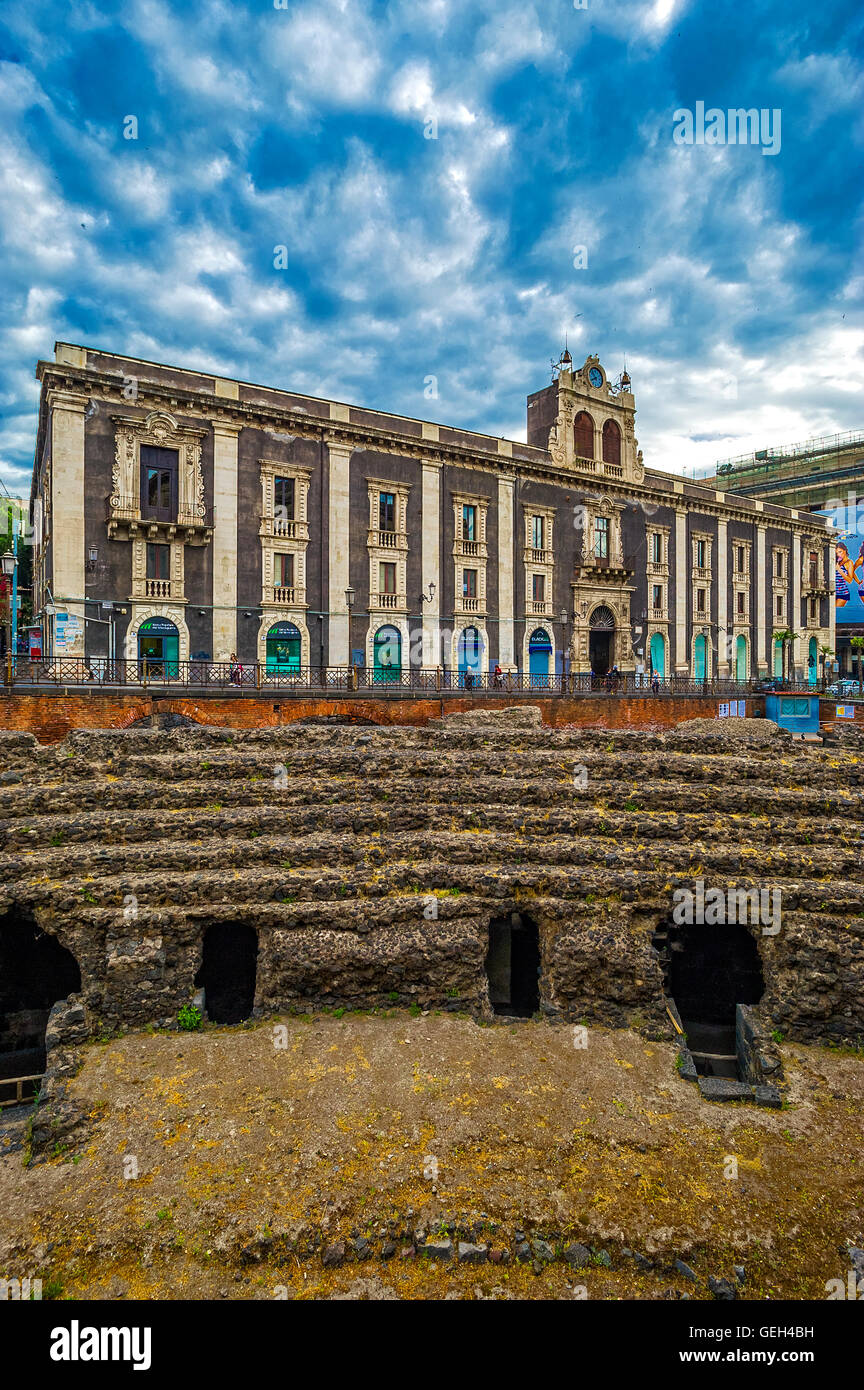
349 604
9 563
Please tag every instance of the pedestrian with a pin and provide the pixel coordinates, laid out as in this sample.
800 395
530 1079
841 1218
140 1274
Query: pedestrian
655 684
235 669
496 678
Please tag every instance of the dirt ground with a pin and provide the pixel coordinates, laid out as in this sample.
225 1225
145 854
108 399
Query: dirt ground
211 1154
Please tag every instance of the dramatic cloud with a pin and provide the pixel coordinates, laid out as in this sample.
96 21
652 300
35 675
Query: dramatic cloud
456 187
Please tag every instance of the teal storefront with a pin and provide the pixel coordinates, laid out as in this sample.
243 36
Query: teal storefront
159 648
284 645
387 656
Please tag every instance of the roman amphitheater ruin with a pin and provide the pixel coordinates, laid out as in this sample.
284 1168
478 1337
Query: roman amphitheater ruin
482 864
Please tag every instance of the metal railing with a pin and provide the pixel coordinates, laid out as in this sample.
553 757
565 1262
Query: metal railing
249 677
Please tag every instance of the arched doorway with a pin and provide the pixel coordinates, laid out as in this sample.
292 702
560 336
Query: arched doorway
387 656
601 640
469 653
657 652
539 653
778 657
711 969
229 962
35 972
812 661
284 644
700 658
741 657
159 648
513 965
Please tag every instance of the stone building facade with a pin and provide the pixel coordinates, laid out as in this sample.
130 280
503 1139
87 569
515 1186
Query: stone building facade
183 516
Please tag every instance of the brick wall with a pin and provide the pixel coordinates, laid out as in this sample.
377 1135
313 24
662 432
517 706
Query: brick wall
51 716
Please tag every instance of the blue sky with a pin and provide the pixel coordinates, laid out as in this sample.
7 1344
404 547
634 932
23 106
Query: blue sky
731 280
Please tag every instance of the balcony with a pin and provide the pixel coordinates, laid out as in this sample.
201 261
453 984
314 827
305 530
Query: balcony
192 524
702 573
284 529
468 605
538 557
387 602
387 540
285 593
613 470
540 607
658 615
469 550
160 590
659 567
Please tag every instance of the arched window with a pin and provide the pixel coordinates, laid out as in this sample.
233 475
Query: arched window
583 427
611 442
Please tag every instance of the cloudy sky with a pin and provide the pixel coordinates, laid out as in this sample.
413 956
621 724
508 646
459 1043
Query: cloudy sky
431 167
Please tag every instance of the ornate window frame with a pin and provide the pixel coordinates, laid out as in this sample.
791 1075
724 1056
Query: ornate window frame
161 430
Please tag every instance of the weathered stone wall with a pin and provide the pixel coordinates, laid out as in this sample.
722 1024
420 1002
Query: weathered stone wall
371 861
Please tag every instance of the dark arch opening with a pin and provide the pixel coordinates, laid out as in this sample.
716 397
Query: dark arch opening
229 963
611 442
35 972
709 970
583 429
513 965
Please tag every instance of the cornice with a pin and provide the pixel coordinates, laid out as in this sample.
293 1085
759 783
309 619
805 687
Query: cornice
232 416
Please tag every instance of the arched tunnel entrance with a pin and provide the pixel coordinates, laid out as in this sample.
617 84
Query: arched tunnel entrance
513 965
35 972
708 970
228 969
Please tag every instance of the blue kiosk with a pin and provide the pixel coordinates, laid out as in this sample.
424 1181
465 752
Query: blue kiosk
798 713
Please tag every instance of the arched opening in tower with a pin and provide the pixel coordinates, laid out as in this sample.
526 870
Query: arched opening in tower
711 969
228 969
513 965
35 972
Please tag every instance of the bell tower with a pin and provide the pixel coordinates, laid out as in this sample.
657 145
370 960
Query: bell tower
594 429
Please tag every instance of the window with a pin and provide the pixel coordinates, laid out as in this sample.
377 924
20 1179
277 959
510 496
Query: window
739 558
700 600
611 443
797 708
814 610
387 577
656 548
469 522
283 499
779 605
469 583
158 561
283 571
386 511
656 595
158 483
601 537
814 569
741 598
779 570
538 588
538 532
583 427
701 550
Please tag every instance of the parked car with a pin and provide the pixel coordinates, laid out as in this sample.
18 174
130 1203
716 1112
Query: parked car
843 688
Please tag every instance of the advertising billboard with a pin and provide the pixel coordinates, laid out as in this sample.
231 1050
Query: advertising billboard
848 564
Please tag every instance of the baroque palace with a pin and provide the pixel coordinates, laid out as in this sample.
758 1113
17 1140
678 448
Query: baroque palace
182 516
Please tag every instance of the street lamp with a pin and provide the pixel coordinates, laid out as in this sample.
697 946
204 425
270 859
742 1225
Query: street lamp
8 564
349 604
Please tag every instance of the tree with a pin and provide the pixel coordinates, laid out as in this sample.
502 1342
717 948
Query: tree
787 637
857 645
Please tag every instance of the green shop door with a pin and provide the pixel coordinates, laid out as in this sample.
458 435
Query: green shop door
159 649
284 647
387 649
